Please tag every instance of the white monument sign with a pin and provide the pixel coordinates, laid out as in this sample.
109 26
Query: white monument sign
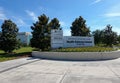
77 41
58 40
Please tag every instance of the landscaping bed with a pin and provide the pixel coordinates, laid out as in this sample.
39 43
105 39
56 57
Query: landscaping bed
85 49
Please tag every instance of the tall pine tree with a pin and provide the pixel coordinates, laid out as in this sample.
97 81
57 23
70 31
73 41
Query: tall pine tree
110 37
41 33
54 24
79 27
8 39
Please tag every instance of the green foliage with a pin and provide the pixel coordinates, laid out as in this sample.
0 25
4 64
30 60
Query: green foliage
98 36
85 49
118 38
54 24
41 33
8 38
106 36
79 27
110 37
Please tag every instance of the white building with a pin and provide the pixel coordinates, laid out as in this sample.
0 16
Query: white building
24 37
58 40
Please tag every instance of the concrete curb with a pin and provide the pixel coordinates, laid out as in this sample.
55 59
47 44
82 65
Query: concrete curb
77 55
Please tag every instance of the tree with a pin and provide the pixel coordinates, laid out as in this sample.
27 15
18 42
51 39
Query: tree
0 33
54 24
8 39
79 27
110 37
98 36
41 33
118 38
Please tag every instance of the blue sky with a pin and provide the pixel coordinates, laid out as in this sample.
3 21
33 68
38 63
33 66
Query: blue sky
97 13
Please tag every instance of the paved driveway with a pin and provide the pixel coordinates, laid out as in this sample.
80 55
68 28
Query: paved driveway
51 71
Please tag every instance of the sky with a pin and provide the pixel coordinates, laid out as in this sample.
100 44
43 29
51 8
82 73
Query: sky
97 13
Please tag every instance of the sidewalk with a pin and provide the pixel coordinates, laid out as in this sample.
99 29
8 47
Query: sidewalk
53 71
7 65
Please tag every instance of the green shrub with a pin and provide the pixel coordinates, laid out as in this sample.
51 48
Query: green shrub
85 49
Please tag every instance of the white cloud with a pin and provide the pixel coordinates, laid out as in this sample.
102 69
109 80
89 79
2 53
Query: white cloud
32 15
96 1
116 14
2 14
114 11
19 21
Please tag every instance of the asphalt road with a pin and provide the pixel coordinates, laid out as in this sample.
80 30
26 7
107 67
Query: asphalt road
51 71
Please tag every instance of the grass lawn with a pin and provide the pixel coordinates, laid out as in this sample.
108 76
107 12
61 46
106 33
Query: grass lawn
22 52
